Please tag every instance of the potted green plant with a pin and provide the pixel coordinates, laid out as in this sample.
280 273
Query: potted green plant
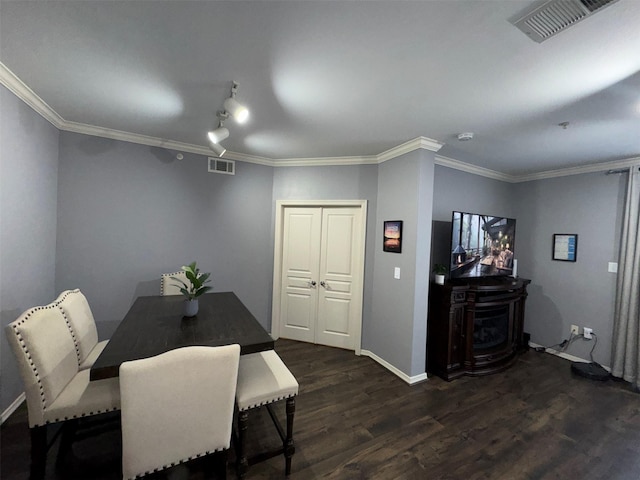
193 289
440 271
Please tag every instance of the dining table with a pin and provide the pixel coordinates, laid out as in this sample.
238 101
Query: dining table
155 324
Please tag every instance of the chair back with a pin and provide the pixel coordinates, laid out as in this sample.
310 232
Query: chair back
168 286
41 341
80 320
177 406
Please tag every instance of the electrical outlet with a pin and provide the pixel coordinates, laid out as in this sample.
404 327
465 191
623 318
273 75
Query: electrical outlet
588 332
575 330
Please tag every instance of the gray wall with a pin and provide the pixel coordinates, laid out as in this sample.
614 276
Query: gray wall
457 190
426 177
28 185
561 293
128 213
397 332
565 293
109 217
354 182
461 191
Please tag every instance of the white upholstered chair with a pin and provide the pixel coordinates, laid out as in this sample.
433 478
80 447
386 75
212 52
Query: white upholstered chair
177 406
56 389
82 325
264 379
168 284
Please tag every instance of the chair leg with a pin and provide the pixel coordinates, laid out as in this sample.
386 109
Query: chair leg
38 452
221 465
242 461
215 465
289 448
69 429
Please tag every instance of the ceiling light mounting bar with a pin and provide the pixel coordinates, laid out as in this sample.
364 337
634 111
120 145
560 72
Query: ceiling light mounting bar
234 89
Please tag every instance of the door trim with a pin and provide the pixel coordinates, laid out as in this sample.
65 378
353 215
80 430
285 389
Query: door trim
281 205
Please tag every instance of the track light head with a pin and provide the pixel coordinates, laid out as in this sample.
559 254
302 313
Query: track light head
218 149
217 135
236 110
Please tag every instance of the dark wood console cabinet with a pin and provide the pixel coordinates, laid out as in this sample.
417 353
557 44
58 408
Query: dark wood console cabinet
475 326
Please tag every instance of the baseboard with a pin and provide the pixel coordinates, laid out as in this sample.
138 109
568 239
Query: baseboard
410 380
13 407
564 355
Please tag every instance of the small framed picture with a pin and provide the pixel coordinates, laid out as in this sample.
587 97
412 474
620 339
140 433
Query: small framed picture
565 247
392 241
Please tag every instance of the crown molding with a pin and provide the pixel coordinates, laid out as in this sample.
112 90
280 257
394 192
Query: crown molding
473 169
23 92
326 161
28 96
593 168
133 138
407 147
423 143
244 157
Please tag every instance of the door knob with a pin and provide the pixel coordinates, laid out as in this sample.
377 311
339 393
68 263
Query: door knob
312 283
323 284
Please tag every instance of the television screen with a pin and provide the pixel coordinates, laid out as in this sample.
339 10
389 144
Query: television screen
481 245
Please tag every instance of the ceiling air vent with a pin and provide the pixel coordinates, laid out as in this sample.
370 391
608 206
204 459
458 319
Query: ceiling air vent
218 165
554 16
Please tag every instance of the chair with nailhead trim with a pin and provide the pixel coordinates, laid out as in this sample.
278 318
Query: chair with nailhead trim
82 325
55 389
264 379
168 286
178 406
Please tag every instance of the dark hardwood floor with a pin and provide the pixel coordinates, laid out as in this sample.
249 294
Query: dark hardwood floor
355 420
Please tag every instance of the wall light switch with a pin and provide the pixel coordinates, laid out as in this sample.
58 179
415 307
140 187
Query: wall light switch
613 267
396 273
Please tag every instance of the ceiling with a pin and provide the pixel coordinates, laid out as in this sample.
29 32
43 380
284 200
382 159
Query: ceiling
338 78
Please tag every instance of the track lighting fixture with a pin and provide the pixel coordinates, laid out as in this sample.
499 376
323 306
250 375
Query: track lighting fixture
231 108
234 108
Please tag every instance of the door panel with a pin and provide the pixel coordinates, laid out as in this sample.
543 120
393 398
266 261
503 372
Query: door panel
336 309
337 240
336 316
299 315
300 266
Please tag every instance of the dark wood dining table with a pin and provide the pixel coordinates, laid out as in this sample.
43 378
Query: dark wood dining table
156 325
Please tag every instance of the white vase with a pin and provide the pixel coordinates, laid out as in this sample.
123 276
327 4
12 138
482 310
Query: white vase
191 308
439 279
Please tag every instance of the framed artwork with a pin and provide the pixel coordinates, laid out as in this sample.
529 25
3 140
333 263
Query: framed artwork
565 247
392 241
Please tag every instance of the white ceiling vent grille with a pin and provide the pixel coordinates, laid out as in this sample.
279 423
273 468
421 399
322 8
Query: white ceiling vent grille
554 16
218 165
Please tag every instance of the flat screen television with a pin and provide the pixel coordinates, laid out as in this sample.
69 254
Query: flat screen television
481 245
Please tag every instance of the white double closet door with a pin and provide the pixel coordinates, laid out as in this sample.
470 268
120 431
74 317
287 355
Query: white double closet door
321 279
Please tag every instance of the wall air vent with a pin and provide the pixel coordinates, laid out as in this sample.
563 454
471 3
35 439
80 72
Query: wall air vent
218 165
554 16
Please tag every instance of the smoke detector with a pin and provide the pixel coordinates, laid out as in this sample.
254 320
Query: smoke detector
463 137
554 16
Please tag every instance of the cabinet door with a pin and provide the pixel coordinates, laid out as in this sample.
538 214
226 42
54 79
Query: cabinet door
456 338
